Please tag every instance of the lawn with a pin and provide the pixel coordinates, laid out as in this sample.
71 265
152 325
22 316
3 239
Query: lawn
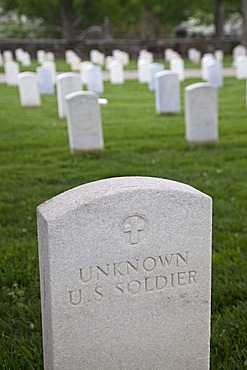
36 165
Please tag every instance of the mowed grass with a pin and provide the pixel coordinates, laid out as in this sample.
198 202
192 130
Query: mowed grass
36 165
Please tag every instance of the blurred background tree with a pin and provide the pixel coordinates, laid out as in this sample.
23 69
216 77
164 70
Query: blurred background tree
128 18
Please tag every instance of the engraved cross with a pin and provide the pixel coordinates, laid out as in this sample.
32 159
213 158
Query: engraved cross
133 225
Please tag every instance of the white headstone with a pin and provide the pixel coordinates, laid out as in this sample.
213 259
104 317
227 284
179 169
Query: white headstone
204 65
239 50
28 89
52 66
125 271
69 54
26 59
177 66
116 72
153 69
201 113
97 57
143 70
75 63
67 83
45 80
84 122
146 55
167 92
7 56
94 79
19 54
219 55
11 70
83 71
41 56
50 56
215 73
241 67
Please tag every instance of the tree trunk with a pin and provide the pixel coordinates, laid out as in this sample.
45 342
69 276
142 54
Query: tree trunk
219 18
67 19
244 17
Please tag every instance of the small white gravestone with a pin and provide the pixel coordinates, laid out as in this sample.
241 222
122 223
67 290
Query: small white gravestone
97 57
69 54
50 56
45 80
215 73
207 58
11 70
153 69
83 71
8 56
239 50
19 54
52 66
26 59
84 122
177 66
125 272
167 92
94 79
219 55
201 109
143 70
116 72
41 56
168 54
67 83
146 55
241 67
28 89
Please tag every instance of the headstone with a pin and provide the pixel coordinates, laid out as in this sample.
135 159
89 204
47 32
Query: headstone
215 73
19 54
50 56
97 57
11 70
204 65
67 83
7 56
52 66
201 113
146 55
143 70
26 59
28 89
177 66
83 71
125 270
153 69
168 53
116 72
239 50
241 67
84 122
45 80
41 56
75 63
219 55
167 92
94 79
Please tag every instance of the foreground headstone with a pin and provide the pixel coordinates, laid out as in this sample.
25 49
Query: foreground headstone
201 109
167 92
125 268
84 122
28 89
67 83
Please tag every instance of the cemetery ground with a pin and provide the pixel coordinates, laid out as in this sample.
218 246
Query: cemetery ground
36 165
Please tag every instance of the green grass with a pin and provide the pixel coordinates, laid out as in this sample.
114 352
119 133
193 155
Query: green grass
36 165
